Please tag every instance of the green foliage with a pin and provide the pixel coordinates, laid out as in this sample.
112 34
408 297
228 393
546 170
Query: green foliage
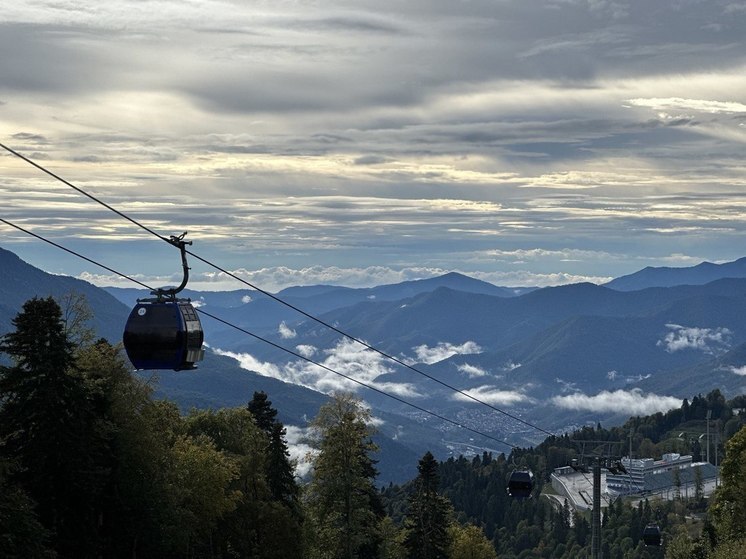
262 411
200 478
21 534
260 525
729 509
49 427
429 515
279 470
391 540
92 466
734 549
344 507
469 542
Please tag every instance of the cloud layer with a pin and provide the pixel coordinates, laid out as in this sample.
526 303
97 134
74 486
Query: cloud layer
631 402
346 357
444 350
707 340
533 142
493 395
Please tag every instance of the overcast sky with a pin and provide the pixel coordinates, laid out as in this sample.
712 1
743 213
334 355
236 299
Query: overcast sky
525 142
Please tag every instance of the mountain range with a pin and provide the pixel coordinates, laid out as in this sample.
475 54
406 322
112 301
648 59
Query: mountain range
664 276
556 357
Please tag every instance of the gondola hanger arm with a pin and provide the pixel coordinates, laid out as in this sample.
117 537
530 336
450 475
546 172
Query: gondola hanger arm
170 293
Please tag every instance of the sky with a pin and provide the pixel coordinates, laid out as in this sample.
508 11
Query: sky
523 142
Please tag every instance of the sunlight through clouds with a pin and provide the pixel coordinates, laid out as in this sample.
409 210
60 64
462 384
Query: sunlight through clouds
442 138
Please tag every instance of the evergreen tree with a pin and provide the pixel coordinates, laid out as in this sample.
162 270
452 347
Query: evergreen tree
263 412
469 542
280 471
260 527
49 427
344 505
21 534
429 515
729 508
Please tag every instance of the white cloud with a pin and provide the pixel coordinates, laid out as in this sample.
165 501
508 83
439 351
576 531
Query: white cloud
276 279
286 333
246 299
300 451
566 386
375 421
493 395
632 402
472 370
699 105
708 340
740 371
250 363
306 350
384 135
346 357
401 389
540 254
444 350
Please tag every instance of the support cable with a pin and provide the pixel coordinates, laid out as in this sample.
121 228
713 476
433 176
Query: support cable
285 303
273 344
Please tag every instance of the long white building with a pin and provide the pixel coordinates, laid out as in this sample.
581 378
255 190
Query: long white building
645 475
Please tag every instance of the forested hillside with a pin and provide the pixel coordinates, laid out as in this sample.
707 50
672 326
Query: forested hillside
91 465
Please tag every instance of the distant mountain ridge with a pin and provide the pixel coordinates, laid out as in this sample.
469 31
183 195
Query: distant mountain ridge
523 350
663 276
20 281
249 308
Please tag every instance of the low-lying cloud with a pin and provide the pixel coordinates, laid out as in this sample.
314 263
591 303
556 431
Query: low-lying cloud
301 453
492 395
740 371
632 402
278 278
286 333
444 350
306 350
708 340
346 358
472 370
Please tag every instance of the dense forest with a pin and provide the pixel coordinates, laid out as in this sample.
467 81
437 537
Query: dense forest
91 465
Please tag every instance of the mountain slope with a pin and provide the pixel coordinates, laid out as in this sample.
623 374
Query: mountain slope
20 281
726 372
221 382
705 272
250 308
496 323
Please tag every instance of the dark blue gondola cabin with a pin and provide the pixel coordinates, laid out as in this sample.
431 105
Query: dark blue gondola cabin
520 484
164 335
651 535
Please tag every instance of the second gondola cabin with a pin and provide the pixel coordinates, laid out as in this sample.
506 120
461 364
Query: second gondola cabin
651 535
164 335
520 484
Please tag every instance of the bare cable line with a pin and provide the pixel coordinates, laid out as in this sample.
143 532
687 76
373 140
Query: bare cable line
6 222
370 347
289 305
291 352
397 398
83 192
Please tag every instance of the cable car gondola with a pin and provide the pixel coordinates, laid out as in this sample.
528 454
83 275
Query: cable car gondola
651 535
165 332
520 484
